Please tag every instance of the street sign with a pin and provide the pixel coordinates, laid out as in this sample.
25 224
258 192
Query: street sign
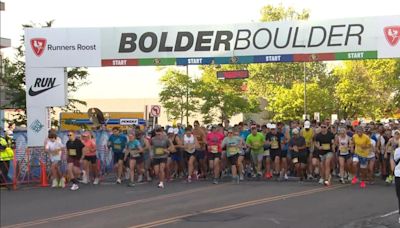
155 110
128 121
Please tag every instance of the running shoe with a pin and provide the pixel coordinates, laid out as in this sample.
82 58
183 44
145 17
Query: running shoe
342 180
140 178
354 180
119 181
84 179
189 179
96 181
321 181
286 177
327 183
362 184
131 184
215 181
55 183
310 177
161 185
61 184
74 187
241 177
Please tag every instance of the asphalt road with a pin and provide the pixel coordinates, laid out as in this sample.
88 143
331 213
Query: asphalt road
202 204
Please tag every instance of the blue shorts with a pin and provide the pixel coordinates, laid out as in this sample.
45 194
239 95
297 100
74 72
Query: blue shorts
362 160
177 156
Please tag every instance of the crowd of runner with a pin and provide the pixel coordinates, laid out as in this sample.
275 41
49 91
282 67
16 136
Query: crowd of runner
274 151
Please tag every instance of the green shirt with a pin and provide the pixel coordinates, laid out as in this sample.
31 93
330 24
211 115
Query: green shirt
256 142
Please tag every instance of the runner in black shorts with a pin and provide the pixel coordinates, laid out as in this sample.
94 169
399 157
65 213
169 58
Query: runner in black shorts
297 145
134 152
273 139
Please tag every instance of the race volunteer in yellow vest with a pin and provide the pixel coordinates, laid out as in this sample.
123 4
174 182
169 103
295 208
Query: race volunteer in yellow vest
6 155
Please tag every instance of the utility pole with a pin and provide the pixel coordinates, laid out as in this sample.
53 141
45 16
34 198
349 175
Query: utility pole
187 96
305 92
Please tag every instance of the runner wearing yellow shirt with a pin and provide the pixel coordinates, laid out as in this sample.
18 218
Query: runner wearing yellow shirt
362 144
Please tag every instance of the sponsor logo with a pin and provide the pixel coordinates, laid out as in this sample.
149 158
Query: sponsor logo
392 34
43 83
36 126
129 122
38 45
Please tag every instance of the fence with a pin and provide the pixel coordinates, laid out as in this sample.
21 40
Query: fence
25 168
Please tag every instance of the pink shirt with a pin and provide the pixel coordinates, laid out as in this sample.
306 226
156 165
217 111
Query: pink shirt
215 139
92 147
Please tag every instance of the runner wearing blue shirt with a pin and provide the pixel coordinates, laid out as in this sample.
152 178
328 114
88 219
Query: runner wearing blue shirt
117 143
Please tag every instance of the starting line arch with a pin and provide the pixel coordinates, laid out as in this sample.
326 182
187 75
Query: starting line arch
50 50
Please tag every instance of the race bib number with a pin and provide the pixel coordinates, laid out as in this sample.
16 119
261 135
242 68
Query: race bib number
266 153
214 149
72 152
274 145
159 151
134 153
190 148
117 146
233 150
295 160
343 149
326 146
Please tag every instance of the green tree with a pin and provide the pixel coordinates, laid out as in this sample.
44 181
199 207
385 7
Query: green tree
14 81
287 103
223 98
368 88
179 95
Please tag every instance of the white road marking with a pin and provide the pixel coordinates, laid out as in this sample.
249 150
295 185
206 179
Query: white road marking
389 214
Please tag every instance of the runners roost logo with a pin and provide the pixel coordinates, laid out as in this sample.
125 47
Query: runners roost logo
38 45
392 34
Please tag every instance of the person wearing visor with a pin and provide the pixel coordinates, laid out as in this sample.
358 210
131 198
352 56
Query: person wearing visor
362 145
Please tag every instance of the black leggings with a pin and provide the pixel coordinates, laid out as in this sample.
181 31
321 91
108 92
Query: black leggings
397 180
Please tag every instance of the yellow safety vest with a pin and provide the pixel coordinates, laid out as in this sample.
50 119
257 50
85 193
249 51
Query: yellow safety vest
6 154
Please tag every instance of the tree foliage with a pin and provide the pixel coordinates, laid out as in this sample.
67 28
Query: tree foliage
179 94
14 81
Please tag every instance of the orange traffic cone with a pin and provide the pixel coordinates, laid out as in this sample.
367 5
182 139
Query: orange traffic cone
43 175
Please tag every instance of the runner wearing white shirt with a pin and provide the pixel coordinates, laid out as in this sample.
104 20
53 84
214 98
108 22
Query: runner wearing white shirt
54 148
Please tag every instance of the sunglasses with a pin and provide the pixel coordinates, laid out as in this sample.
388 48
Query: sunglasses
323 126
69 135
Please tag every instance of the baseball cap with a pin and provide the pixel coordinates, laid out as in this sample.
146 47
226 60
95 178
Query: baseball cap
307 124
273 126
170 130
176 131
295 131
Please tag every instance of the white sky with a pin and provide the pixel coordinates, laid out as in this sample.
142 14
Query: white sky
139 82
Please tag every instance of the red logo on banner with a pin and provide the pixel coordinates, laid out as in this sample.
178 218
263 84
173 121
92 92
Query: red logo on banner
38 45
392 34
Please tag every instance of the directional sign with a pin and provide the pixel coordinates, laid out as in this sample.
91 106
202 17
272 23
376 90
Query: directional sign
155 110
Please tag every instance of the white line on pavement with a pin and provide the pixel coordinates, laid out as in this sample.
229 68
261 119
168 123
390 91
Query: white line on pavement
389 214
